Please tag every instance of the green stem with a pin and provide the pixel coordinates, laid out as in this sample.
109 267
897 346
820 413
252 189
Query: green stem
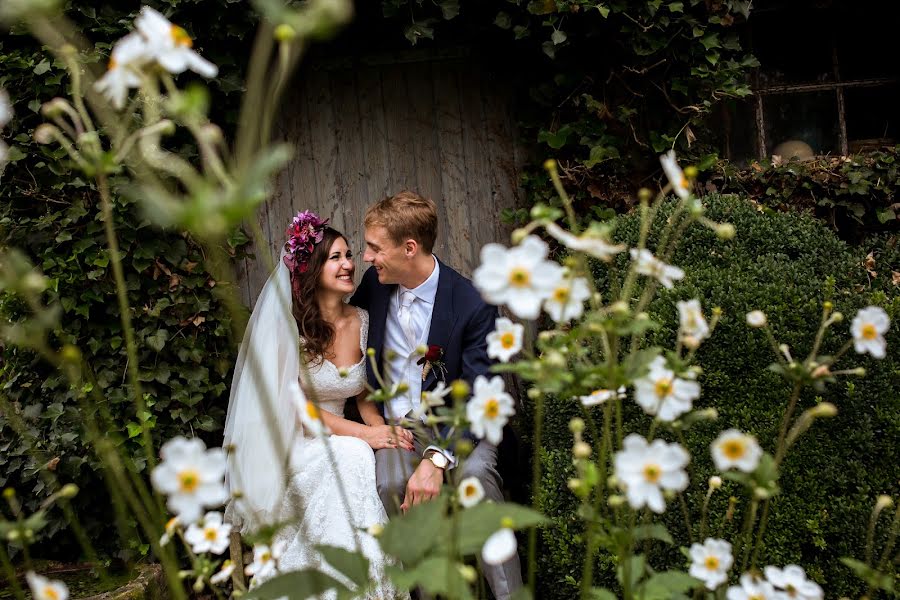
763 521
747 534
785 421
535 488
10 572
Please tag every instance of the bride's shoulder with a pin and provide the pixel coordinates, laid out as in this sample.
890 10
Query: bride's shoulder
363 314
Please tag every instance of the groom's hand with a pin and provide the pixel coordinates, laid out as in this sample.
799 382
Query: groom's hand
424 485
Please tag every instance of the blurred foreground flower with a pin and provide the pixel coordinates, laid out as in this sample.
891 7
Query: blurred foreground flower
191 476
567 300
680 184
489 408
310 416
505 340
756 318
123 72
210 536
868 329
46 589
662 394
648 469
223 573
590 242
170 45
520 277
710 562
500 547
692 322
793 582
265 560
752 588
736 450
598 397
649 265
470 491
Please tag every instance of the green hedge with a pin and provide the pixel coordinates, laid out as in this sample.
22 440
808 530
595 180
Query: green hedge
777 263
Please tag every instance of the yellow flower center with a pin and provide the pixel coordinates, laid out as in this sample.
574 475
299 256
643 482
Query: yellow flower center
652 473
312 411
561 295
519 277
869 332
711 562
791 591
663 387
470 491
50 593
189 481
210 533
756 597
181 37
734 449
171 523
265 557
112 64
507 340
684 182
491 408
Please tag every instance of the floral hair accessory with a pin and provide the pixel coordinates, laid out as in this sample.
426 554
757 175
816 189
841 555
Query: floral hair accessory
305 231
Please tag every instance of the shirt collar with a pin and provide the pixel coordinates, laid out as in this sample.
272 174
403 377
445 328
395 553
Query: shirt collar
427 290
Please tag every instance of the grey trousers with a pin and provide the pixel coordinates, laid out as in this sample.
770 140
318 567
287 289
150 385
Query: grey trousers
393 468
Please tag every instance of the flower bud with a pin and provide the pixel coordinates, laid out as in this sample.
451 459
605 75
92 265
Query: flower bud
375 529
717 311
402 387
390 355
550 165
884 501
54 108
422 349
370 352
467 572
574 484
518 235
43 133
644 194
821 371
70 353
690 342
70 490
13 535
620 307
34 282
827 305
612 482
342 372
761 493
9 493
463 448
715 482
576 425
615 500
459 389
725 231
198 585
507 523
533 393
555 359
837 317
669 495
581 450
708 414
691 172
756 318
825 409
860 371
285 33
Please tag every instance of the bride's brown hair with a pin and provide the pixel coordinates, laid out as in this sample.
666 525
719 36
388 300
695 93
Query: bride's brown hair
316 334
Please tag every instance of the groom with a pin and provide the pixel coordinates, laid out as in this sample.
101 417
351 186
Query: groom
415 300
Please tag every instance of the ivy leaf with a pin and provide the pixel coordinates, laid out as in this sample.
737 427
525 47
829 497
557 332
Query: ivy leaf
676 7
42 67
158 340
556 140
503 20
558 37
449 9
604 10
134 430
418 30
710 41
541 7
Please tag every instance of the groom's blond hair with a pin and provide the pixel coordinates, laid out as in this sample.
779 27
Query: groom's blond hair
406 215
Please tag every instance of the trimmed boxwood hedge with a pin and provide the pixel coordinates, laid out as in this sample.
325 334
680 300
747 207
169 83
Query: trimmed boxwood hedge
777 263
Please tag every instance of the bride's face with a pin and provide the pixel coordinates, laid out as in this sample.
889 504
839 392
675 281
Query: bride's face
337 272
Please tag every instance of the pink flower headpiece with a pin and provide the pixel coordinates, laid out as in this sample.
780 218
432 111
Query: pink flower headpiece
305 231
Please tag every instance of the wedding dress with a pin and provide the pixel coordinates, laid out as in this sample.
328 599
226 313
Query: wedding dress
338 500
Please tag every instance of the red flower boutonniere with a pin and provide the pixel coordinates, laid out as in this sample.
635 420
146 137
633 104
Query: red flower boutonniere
433 359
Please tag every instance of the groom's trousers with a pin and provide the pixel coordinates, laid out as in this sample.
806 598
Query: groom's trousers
393 468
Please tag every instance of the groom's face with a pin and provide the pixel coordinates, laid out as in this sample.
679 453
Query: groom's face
389 259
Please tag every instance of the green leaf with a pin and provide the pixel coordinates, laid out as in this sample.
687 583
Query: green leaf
478 523
885 215
409 537
556 140
653 531
158 340
449 8
42 67
296 584
134 430
558 37
355 566
636 565
436 575
876 579
662 586
676 7
503 20
601 594
604 10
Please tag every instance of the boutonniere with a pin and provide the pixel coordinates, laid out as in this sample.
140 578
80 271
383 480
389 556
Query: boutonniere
433 359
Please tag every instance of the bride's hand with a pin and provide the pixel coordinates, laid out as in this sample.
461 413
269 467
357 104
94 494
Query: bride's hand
386 436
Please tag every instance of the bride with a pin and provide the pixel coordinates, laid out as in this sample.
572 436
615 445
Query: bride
304 348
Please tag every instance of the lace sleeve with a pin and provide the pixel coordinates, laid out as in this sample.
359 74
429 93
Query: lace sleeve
363 329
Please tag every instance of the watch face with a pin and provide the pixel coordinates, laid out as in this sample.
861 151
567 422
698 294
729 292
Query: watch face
439 460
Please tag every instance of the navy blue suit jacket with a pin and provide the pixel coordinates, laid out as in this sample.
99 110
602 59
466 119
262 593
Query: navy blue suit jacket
460 323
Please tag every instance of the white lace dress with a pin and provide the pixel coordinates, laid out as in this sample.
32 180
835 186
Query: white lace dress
330 515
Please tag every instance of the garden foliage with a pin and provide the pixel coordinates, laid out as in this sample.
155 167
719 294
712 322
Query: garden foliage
777 263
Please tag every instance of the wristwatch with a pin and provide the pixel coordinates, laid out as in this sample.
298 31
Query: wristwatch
437 459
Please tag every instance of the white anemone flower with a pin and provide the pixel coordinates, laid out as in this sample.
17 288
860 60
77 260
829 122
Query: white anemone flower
46 589
736 450
191 476
710 562
662 394
649 265
567 300
122 73
489 408
505 340
265 560
6 109
752 588
680 184
310 416
692 322
210 536
431 399
756 318
647 469
601 396
520 277
591 243
223 573
500 547
868 329
170 45
170 527
470 491
793 584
